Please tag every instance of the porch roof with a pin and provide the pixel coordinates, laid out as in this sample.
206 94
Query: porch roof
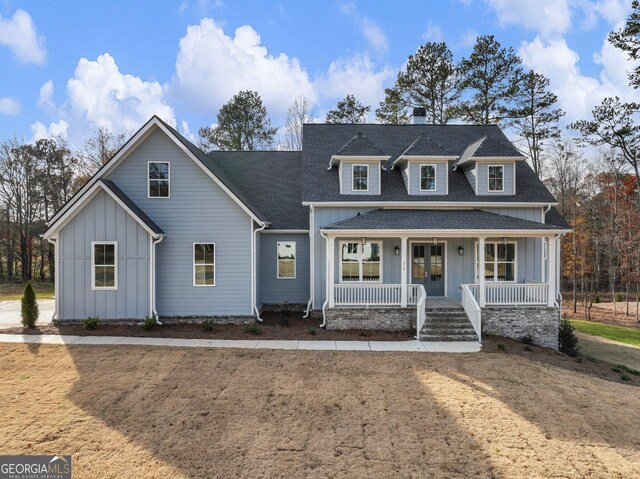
439 220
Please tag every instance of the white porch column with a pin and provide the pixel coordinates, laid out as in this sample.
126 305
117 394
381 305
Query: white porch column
403 270
331 242
481 292
553 272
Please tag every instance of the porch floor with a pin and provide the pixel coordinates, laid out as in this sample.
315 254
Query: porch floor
442 304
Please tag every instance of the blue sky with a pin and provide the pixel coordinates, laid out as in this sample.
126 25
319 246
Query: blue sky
70 66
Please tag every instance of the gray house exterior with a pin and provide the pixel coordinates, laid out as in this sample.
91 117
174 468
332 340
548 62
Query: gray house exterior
370 226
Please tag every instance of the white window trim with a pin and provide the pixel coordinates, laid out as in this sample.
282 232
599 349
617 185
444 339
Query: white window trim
295 260
435 176
489 183
93 266
193 263
149 180
360 281
495 270
353 167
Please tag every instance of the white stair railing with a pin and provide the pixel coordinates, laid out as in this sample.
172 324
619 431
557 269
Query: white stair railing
421 314
472 309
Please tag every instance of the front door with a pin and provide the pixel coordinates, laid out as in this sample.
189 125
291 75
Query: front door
427 267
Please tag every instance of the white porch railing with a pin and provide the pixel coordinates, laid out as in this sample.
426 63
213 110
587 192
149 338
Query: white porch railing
512 294
359 294
472 309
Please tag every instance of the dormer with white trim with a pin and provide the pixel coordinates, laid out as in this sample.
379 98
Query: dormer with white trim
425 168
359 164
488 175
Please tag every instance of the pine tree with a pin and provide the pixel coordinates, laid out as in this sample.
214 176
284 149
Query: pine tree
349 110
628 40
393 109
29 307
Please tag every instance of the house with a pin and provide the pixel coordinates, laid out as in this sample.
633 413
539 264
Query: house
372 226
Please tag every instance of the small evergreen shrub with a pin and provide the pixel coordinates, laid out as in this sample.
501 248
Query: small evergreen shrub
502 347
90 323
624 377
567 340
149 323
311 331
618 298
596 299
527 339
208 325
528 348
252 329
29 307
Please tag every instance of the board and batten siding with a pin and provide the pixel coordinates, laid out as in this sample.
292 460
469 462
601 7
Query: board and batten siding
102 219
482 170
346 175
414 178
273 290
198 211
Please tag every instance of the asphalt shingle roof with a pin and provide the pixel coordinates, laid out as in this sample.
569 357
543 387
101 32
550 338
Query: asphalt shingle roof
271 179
437 220
111 186
321 141
553 217
425 146
359 145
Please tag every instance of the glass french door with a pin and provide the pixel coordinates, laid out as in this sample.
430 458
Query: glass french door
427 267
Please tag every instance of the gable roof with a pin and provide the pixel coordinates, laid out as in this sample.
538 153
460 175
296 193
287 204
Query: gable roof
467 220
321 141
185 145
271 179
119 196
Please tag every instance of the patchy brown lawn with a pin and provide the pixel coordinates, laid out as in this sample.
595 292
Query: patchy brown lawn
170 412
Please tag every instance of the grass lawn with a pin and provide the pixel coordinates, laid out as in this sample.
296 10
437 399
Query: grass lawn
127 411
616 333
9 291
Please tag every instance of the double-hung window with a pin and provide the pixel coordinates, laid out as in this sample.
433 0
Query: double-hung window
158 177
496 178
361 261
286 251
204 264
360 174
499 261
427 177
104 265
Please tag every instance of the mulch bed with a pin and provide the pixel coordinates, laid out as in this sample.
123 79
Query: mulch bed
273 326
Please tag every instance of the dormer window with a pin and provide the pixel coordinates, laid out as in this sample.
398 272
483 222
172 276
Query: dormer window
158 178
360 177
427 177
496 178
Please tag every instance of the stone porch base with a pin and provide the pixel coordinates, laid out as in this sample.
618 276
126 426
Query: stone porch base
379 319
541 322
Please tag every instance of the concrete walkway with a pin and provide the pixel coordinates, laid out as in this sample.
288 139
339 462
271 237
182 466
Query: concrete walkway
10 312
396 346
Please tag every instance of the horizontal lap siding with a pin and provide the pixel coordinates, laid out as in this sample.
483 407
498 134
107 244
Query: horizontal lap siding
102 219
441 179
482 170
347 177
279 291
197 211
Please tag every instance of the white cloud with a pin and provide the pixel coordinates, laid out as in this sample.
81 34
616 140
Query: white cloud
19 34
186 132
348 7
546 17
41 131
433 33
45 99
100 94
469 38
211 67
358 76
9 106
374 35
578 93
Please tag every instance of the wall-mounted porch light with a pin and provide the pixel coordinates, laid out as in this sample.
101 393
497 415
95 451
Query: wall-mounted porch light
396 250
460 250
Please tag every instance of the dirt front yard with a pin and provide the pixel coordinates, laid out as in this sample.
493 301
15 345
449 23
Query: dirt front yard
175 412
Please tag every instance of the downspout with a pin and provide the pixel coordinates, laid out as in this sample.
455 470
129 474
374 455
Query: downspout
152 283
312 261
56 286
544 213
326 299
254 280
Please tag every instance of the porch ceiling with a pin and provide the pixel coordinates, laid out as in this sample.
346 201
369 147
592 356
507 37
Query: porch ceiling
441 220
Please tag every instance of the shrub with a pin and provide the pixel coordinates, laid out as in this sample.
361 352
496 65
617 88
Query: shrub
90 323
149 323
527 339
29 307
624 377
618 298
208 325
252 329
635 372
502 347
528 348
311 331
567 340
596 299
